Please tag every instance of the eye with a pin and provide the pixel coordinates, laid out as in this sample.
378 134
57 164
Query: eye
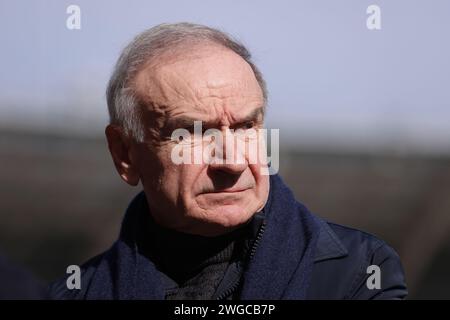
180 139
249 125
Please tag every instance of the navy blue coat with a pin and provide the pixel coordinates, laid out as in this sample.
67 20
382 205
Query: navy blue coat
299 256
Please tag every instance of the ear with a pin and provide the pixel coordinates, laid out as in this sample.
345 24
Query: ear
120 148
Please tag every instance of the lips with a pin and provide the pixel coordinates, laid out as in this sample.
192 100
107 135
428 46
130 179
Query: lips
227 190
230 191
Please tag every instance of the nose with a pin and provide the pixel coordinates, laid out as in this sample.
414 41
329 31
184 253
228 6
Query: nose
230 168
234 160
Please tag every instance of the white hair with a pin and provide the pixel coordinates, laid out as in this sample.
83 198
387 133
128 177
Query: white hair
123 105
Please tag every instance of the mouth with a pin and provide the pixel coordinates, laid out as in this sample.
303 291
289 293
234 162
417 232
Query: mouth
225 191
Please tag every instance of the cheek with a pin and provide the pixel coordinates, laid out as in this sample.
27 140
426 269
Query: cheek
190 180
262 189
157 170
179 181
261 180
171 174
256 153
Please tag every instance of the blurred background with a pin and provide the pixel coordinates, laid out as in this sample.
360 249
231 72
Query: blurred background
364 119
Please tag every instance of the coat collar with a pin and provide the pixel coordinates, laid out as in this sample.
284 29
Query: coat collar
328 245
282 265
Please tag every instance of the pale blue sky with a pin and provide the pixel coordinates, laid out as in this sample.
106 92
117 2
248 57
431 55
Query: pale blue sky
331 80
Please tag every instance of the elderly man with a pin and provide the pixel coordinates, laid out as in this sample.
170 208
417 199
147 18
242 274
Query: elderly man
214 229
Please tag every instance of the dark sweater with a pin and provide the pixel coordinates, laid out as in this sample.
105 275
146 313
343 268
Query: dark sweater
194 266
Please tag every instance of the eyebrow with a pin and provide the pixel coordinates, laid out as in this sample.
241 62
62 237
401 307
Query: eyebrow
188 122
254 115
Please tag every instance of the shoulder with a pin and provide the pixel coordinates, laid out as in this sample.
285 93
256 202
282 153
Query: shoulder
357 243
347 258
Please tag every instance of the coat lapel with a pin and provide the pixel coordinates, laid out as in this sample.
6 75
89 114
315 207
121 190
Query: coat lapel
281 267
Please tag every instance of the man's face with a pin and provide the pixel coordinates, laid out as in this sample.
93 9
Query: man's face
215 86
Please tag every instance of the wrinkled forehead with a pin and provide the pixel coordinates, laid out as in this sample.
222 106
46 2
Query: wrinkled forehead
204 79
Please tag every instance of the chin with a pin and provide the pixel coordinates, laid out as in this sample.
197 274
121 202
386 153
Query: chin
228 216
